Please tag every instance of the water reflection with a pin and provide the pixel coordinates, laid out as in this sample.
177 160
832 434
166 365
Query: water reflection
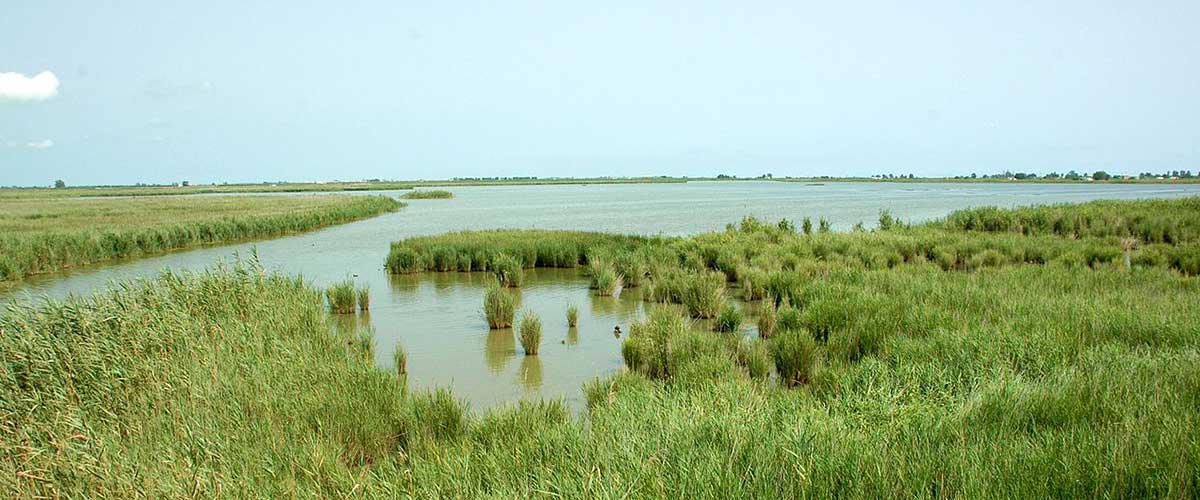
531 372
500 349
572 336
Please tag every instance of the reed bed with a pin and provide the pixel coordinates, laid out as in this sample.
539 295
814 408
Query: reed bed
46 235
428 194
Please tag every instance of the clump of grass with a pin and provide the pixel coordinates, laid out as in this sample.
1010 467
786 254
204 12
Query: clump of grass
530 333
364 298
604 277
755 357
342 297
647 349
364 342
796 355
729 320
823 225
508 270
572 315
499 306
400 360
768 317
428 194
704 294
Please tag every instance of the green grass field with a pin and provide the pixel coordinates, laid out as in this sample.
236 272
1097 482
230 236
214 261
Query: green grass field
929 361
51 234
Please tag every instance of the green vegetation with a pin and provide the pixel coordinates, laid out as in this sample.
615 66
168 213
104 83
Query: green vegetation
530 333
428 194
729 320
47 235
342 297
508 270
364 298
400 360
572 315
928 361
478 250
499 306
605 279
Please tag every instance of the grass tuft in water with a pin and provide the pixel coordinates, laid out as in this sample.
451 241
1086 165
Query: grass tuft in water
499 306
428 194
530 333
572 315
342 297
729 320
508 270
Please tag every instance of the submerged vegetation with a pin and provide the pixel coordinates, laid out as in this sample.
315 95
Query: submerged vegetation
931 360
47 235
428 194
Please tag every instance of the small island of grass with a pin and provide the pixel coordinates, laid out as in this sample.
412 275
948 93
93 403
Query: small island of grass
430 194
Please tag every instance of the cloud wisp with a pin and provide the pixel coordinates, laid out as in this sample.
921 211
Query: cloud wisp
16 87
42 144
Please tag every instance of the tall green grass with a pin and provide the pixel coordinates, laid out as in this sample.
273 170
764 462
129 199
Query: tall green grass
342 297
499 306
530 333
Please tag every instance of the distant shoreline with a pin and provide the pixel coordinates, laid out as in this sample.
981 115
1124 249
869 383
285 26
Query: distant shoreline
301 187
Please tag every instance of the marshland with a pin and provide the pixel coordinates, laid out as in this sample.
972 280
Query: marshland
432 351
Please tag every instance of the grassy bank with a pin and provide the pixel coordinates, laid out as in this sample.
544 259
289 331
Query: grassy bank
1028 378
46 235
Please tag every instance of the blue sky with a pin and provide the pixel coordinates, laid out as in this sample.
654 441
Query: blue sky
152 91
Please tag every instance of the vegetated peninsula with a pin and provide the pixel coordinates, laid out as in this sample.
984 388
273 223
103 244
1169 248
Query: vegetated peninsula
41 235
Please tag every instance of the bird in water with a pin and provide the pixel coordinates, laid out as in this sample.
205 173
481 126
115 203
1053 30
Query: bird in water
617 331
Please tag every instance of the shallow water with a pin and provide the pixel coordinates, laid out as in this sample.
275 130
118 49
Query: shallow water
438 318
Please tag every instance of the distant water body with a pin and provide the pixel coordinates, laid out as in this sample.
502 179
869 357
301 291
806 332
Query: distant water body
437 317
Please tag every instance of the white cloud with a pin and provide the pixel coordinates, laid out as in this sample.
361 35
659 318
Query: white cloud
15 87
42 144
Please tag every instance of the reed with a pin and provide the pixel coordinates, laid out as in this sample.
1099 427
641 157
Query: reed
796 355
342 297
572 315
400 360
499 306
604 277
729 320
768 318
508 271
530 333
428 194
364 298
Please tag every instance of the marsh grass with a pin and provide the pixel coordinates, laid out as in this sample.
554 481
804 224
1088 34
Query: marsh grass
797 356
400 360
572 315
604 277
342 297
530 333
729 320
1059 373
508 271
428 194
364 298
768 318
499 306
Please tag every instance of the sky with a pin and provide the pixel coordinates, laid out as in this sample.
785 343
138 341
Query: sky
247 91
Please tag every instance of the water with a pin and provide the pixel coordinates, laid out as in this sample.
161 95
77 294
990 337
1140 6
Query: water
438 317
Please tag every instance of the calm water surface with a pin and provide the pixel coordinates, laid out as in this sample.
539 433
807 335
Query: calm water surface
438 317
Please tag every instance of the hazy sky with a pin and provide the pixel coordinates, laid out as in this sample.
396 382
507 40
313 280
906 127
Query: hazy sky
157 91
